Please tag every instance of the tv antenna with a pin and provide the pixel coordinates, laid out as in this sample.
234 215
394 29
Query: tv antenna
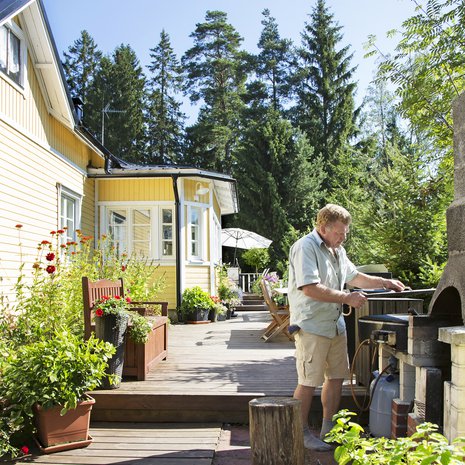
105 110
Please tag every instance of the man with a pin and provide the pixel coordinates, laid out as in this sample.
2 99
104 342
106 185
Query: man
318 270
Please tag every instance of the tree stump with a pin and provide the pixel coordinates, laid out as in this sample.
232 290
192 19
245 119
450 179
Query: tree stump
276 435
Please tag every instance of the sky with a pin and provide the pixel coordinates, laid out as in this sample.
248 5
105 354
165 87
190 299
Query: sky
140 22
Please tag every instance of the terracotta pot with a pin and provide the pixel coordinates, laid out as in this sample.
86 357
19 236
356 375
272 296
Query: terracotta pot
111 328
73 427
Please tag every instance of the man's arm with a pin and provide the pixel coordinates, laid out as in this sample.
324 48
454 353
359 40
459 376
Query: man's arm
365 281
326 294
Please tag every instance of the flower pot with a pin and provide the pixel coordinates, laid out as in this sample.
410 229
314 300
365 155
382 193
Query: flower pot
212 315
112 328
70 430
197 316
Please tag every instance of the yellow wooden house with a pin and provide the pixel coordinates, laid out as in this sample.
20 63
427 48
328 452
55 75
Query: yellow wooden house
54 173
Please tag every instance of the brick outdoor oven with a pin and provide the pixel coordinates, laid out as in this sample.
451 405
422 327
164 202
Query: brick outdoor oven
430 348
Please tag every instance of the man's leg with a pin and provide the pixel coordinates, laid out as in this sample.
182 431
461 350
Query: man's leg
330 399
305 395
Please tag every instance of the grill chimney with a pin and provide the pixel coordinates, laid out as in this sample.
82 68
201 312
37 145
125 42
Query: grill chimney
449 297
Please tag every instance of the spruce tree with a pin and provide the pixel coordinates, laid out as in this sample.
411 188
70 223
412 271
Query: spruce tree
272 66
117 102
81 64
165 118
280 188
325 108
215 77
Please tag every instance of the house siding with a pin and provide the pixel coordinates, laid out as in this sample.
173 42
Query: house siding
133 190
197 276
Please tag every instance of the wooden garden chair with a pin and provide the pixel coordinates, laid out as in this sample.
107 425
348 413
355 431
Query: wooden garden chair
138 358
280 315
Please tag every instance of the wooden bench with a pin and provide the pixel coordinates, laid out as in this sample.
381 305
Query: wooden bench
138 358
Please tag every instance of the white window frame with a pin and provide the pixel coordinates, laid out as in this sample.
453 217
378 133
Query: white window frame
216 240
156 225
69 195
13 28
201 256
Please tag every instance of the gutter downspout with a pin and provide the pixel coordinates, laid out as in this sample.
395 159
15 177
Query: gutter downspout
177 214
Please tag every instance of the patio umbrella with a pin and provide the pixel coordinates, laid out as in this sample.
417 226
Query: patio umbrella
243 239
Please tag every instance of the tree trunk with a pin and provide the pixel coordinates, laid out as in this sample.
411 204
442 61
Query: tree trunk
276 433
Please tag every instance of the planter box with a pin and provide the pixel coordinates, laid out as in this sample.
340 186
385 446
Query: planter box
196 316
140 358
71 429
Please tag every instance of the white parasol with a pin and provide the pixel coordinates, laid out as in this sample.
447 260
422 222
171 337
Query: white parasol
243 239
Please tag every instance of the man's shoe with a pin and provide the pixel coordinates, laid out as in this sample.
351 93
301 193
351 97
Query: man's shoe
313 443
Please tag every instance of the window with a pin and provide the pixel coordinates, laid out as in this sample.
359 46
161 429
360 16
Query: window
195 239
167 232
12 53
144 231
70 213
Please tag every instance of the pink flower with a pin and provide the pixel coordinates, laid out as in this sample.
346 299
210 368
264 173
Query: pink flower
50 256
50 269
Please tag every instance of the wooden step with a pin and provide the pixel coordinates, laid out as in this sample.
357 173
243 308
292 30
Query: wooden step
224 408
259 307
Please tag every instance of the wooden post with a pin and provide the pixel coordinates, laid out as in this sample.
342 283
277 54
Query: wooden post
276 434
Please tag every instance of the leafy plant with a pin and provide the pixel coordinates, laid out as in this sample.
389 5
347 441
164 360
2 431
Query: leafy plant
56 370
425 447
195 298
139 327
258 258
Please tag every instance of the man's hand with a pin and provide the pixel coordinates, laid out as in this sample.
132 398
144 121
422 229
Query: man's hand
394 284
355 299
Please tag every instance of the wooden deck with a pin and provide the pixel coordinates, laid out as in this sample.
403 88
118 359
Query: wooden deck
175 417
211 374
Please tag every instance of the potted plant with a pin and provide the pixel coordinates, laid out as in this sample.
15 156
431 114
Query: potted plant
218 311
46 383
195 305
112 320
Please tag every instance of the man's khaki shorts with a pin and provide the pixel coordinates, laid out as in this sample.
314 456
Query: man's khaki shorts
319 357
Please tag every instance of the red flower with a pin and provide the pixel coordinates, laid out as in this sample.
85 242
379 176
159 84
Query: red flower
19 226
123 267
99 312
45 242
50 256
53 233
128 300
50 269
25 450
63 246
105 297
60 231
117 297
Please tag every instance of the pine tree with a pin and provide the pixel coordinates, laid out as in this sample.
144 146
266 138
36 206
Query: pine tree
116 101
215 76
165 118
81 64
324 89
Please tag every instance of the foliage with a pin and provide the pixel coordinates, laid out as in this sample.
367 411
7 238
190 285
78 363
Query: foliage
324 109
227 289
257 258
51 299
55 370
194 298
428 67
81 63
275 156
165 119
119 86
215 75
425 446
139 326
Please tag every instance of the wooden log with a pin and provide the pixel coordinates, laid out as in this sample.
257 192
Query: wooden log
276 434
